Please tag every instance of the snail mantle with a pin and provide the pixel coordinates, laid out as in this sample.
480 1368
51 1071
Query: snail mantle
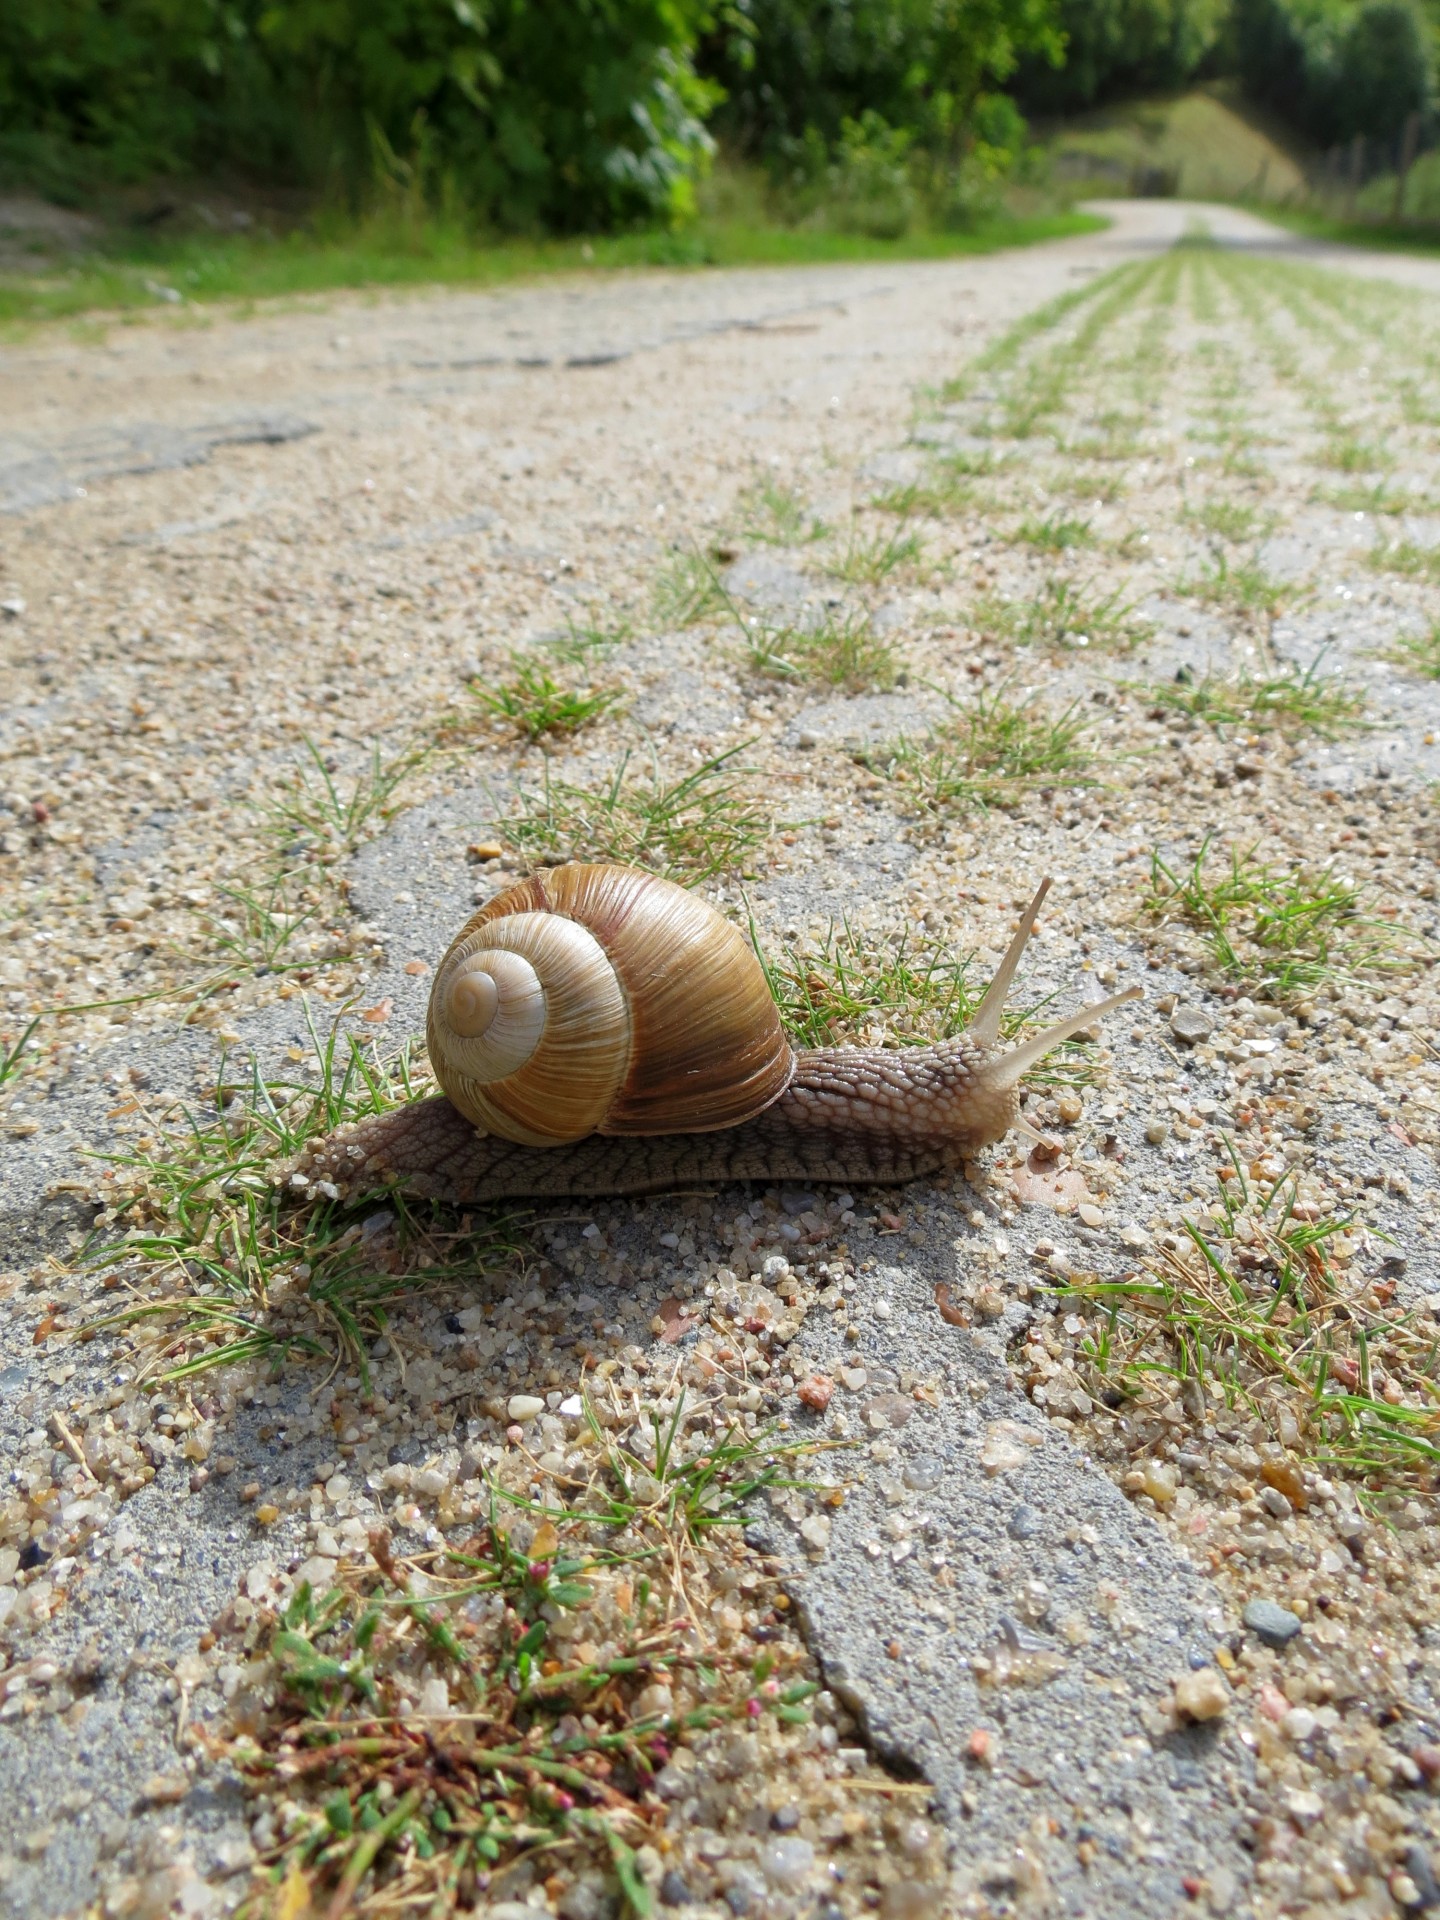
599 1031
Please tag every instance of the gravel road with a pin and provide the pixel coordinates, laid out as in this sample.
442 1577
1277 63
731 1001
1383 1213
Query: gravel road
252 567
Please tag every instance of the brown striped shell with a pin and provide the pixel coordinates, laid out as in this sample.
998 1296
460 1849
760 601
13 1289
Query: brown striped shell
597 999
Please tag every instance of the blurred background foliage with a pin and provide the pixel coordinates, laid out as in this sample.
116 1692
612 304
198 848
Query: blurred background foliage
868 117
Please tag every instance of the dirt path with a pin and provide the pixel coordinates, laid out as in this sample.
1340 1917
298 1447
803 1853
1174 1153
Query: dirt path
1138 592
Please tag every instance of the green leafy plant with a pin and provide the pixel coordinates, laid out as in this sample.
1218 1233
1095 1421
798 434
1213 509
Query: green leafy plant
535 704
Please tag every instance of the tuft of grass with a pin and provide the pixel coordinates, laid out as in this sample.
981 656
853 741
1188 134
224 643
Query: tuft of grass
1256 1312
1231 520
842 650
1243 587
261 921
546 1743
1279 930
229 1269
584 642
535 705
12 1053
1056 533
689 591
869 559
944 493
990 752
1265 703
330 814
1064 614
778 516
124 273
1407 557
707 822
1380 497
1346 454
1420 652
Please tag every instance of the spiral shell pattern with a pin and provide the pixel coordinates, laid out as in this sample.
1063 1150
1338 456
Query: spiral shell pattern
596 999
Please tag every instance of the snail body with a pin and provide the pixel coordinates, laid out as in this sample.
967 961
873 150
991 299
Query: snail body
599 1031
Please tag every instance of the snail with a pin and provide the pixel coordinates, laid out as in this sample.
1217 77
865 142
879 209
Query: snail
600 1031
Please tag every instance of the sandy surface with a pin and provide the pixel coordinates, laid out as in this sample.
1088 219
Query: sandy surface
228 537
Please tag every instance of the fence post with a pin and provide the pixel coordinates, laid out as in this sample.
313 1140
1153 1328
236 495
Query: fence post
1409 140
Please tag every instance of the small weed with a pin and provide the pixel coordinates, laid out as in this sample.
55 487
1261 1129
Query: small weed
1243 587
851 989
332 815
1279 703
1348 455
867 561
1062 615
778 517
991 752
1255 1312
689 591
584 642
943 494
1407 557
543 1743
1420 652
1380 497
844 650
12 1053
1231 520
1055 533
705 823
261 921
534 704
1282 931
240 1271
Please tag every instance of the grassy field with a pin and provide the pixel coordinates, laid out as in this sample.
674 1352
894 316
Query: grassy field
129 270
1314 225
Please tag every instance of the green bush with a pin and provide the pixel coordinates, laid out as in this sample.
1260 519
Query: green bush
592 119
1335 68
1121 46
790 66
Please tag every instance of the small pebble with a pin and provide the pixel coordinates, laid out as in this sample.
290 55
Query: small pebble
1273 1624
1024 1523
524 1406
1203 1695
1191 1025
788 1863
1090 1214
674 1892
785 1819
1156 1132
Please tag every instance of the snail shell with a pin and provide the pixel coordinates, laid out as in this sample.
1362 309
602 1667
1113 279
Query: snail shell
596 999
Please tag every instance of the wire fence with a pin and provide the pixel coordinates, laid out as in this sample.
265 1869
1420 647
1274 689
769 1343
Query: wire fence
1392 181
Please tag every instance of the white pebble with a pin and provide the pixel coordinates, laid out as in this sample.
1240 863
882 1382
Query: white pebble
523 1406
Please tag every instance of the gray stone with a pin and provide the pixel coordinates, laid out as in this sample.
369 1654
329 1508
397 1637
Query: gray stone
1191 1024
1273 1624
